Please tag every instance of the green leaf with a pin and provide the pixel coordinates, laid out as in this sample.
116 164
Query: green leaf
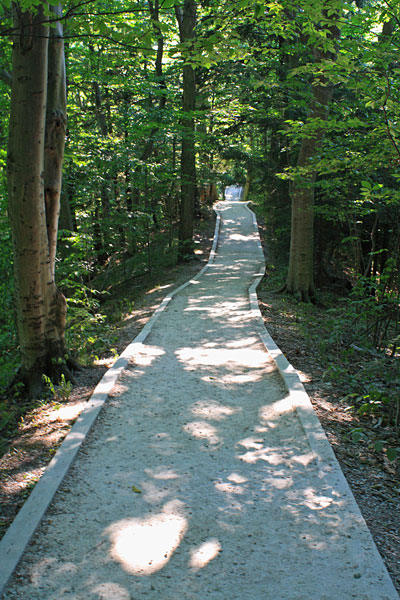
379 446
357 435
259 10
170 3
392 453
136 490
86 26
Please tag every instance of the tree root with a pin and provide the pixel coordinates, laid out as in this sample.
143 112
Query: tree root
300 295
30 384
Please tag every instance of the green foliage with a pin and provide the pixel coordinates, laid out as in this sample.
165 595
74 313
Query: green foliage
60 391
255 64
373 310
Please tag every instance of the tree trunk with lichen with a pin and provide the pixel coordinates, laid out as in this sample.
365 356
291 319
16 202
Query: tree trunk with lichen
35 151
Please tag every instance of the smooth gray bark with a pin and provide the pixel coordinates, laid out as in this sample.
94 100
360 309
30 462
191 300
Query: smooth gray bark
56 121
39 305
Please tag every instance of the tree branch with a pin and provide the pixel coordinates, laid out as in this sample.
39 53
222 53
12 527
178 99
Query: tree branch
6 76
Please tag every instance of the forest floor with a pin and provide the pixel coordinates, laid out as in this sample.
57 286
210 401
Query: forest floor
373 479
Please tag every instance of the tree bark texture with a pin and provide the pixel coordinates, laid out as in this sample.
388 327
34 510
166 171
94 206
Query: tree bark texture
56 122
300 279
39 306
186 17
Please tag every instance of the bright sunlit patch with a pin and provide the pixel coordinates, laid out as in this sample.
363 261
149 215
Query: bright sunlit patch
205 553
144 546
273 458
202 430
213 410
238 237
104 362
227 308
236 478
272 411
110 591
249 378
228 488
163 473
259 453
145 355
243 342
158 288
304 377
68 412
304 459
279 483
252 442
222 356
315 502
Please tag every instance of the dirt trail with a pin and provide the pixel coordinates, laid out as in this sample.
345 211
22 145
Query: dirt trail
198 479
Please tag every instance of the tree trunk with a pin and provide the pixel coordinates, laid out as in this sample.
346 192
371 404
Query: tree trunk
186 17
300 279
247 184
56 121
39 306
214 193
98 102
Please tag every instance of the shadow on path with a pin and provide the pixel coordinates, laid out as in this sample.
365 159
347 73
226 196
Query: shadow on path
197 480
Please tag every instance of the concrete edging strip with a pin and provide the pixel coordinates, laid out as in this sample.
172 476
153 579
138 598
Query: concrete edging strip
21 530
311 425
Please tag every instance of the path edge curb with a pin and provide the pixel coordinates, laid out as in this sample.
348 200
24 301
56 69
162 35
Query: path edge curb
30 515
310 422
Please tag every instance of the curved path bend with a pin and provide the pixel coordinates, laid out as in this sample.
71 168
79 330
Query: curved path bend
206 474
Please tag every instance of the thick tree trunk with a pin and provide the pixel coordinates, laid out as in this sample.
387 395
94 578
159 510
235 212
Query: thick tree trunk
56 120
186 17
39 306
213 193
300 279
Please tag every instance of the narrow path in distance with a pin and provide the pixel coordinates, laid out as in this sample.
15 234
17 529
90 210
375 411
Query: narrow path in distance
198 479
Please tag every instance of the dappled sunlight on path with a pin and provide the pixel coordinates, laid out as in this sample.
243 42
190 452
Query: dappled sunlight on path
144 546
198 480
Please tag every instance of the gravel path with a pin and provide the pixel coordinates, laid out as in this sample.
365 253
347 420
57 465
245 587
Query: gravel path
198 480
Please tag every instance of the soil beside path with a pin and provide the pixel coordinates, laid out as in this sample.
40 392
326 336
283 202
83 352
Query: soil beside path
197 479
